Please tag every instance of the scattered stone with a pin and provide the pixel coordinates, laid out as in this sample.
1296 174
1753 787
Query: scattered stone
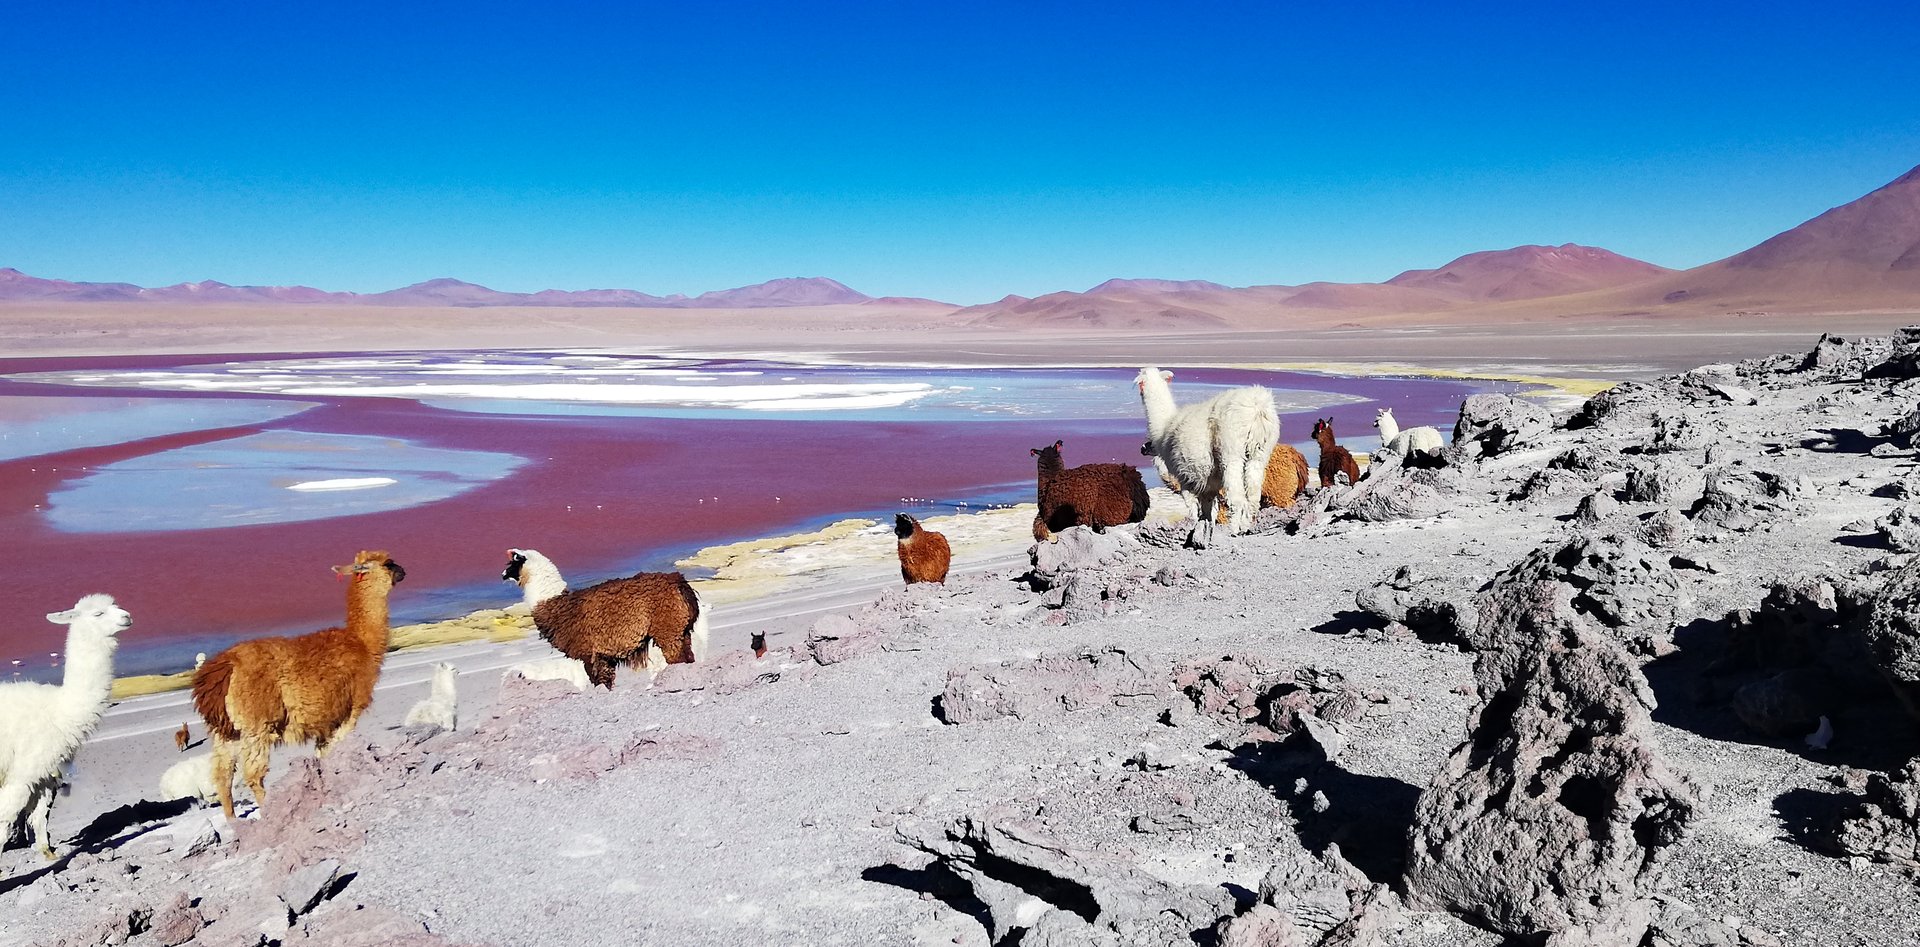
177 922
1046 686
1315 902
1676 432
303 891
837 638
1075 550
1557 808
1325 736
1232 688
1883 824
1666 529
1787 704
1730 502
1595 507
1667 480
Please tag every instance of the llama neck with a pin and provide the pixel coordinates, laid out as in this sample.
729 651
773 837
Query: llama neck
88 678
543 582
1158 400
1389 429
443 685
1049 466
367 613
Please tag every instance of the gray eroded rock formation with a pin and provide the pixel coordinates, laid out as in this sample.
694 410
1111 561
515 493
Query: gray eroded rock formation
1618 581
1551 817
1884 822
1491 424
1315 902
1429 605
1893 634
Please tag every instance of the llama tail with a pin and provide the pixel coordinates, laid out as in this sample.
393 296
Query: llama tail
210 696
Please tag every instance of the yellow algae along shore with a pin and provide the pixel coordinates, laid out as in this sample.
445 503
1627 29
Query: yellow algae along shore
848 553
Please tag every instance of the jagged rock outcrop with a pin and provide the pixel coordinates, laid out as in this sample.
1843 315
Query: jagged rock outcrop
1676 432
1900 528
1602 407
1893 634
1393 491
1315 902
1901 358
1057 894
1884 822
1618 581
1595 507
1491 424
1666 529
1551 817
1075 550
1048 685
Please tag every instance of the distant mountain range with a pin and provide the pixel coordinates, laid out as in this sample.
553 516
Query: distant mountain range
1864 255
807 291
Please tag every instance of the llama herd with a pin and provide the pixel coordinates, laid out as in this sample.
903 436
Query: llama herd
1221 456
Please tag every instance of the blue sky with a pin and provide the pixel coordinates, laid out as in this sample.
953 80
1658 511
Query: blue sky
958 150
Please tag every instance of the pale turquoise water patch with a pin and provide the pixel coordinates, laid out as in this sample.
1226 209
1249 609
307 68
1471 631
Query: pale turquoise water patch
272 477
32 426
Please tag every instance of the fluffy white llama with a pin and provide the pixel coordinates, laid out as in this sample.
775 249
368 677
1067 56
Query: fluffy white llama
557 668
191 778
1217 448
1404 442
437 708
45 724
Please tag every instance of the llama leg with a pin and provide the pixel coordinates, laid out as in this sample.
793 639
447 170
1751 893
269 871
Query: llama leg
14 797
37 818
223 772
325 744
255 751
1254 481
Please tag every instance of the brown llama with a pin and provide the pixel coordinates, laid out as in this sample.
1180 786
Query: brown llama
924 555
292 690
645 621
1334 459
181 737
1094 495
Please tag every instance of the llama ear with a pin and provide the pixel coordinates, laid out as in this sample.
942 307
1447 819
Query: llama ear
61 618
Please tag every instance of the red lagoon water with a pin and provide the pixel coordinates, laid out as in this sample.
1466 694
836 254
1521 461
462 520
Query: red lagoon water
601 495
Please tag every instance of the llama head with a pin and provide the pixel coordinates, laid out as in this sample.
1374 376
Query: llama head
1050 453
1146 448
1322 424
96 612
1382 415
904 525
1150 373
539 579
372 566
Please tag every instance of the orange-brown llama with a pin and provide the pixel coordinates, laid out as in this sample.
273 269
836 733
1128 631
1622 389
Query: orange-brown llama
292 690
1334 459
924 555
1285 480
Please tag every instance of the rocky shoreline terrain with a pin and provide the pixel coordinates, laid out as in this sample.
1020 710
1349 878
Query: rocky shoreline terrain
1643 675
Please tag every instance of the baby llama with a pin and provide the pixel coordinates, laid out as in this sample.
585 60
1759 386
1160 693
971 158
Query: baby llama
292 690
1217 448
557 668
1096 495
644 621
437 708
924 555
45 723
1334 459
1406 442
191 778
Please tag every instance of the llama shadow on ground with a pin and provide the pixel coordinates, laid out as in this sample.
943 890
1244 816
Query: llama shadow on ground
1808 816
1841 440
106 832
1369 817
1869 731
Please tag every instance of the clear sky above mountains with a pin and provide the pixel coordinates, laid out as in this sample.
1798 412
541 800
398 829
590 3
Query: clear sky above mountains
958 151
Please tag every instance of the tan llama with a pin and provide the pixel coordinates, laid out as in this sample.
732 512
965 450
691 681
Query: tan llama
294 690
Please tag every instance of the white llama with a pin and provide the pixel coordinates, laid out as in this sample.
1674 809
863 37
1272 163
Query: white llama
1217 448
191 778
438 707
1426 440
46 724
556 668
